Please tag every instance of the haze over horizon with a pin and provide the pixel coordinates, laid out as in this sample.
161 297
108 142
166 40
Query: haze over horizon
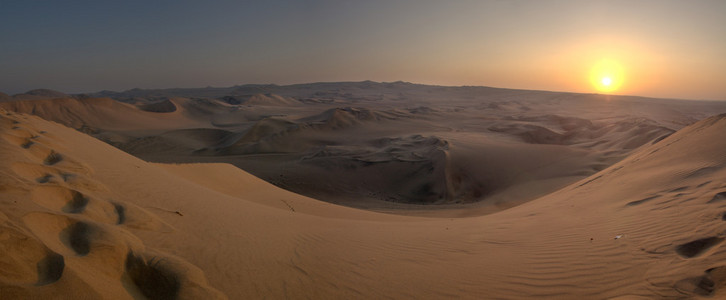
666 49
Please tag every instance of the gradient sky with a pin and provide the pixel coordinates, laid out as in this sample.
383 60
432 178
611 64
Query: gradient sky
674 49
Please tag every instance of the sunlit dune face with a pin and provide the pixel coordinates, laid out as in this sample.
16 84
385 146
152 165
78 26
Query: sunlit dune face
607 76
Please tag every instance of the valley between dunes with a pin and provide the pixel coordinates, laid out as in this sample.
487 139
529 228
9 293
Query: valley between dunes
516 195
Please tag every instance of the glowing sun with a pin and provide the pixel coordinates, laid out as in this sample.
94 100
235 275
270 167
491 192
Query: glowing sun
607 76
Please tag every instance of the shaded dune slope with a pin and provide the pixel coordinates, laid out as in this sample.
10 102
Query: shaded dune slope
163 106
429 168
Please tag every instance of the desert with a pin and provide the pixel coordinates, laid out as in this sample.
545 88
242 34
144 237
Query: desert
551 149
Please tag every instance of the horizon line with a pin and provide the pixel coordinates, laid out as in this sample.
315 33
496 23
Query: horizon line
366 81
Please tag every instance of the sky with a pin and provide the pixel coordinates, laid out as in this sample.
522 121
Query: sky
671 49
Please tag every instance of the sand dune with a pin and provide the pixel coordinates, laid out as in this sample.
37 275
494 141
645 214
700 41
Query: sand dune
369 144
97 114
80 218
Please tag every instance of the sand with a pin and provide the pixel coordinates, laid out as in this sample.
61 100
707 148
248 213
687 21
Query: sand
80 218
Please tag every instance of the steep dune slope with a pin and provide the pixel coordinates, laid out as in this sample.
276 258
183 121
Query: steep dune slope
64 235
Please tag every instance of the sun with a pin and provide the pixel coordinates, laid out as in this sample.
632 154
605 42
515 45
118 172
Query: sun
607 76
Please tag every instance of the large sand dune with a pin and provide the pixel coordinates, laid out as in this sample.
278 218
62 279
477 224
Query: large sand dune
79 218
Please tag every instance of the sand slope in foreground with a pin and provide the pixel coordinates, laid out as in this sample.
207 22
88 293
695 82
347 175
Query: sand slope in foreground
80 218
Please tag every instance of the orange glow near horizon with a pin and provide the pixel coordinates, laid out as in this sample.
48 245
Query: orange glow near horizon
607 76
